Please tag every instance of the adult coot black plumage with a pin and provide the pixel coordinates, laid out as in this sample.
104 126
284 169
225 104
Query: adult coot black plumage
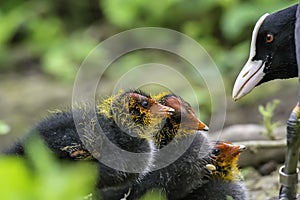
272 52
273 55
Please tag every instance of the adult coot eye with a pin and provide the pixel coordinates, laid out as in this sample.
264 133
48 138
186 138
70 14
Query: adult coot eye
269 38
145 104
216 152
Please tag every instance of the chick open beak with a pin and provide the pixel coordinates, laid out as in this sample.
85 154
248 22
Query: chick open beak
159 109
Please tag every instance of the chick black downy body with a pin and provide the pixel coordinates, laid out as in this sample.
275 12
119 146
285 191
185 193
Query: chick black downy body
225 179
128 120
188 170
219 189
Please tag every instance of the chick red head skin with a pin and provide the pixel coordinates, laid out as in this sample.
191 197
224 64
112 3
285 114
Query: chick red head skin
141 106
272 52
183 122
183 115
224 156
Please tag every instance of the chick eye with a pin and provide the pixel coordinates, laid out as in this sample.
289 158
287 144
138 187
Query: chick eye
145 104
216 152
269 38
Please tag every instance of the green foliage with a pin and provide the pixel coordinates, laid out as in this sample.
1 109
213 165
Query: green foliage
247 171
154 195
267 113
54 38
217 24
43 177
34 31
60 36
131 13
229 198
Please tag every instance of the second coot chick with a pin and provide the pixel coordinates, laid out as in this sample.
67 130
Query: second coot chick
127 120
188 169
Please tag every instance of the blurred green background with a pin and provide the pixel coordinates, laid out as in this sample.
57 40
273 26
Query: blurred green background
42 44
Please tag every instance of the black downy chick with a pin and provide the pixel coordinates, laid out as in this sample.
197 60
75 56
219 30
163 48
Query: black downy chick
188 169
225 179
128 120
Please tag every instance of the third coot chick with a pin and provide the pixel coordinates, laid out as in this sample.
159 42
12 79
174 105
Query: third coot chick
225 179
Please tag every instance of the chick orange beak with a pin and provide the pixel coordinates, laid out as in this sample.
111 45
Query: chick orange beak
202 126
191 121
159 109
231 149
237 149
194 123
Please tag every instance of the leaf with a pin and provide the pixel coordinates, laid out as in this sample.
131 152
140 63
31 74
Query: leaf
16 180
155 194
41 176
